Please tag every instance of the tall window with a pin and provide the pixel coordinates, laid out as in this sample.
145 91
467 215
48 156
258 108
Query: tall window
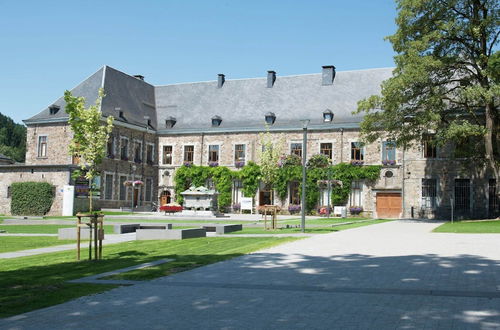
124 148
389 151
138 152
149 189
110 147
296 149
294 193
493 199
123 188
188 154
213 153
167 155
462 194
149 154
108 193
42 146
357 151
356 193
326 149
429 193
239 154
430 150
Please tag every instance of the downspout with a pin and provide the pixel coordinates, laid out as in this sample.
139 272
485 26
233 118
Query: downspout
403 184
201 150
341 145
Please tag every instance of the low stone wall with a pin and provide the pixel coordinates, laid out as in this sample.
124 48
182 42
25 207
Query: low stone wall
168 234
222 229
70 233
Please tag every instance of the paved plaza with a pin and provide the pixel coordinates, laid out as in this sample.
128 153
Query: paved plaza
395 275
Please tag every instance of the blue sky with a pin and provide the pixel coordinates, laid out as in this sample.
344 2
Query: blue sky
49 46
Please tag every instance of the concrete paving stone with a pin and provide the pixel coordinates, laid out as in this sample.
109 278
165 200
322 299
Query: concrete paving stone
375 277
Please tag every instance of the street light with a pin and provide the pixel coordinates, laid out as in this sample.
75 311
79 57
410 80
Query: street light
304 122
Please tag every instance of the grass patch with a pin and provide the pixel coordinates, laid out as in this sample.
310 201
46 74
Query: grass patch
42 229
18 243
480 227
34 282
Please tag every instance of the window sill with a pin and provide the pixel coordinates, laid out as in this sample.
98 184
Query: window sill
44 157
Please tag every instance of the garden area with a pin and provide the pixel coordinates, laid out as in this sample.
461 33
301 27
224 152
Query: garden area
470 227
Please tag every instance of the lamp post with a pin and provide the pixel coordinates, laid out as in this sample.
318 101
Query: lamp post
329 196
133 188
304 122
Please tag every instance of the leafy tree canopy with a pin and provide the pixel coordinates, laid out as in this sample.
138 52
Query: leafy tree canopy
446 80
12 139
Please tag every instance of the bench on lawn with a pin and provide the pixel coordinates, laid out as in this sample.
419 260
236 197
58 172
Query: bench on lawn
167 234
132 227
222 228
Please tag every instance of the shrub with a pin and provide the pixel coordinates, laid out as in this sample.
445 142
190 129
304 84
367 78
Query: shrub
355 209
31 198
319 160
290 160
294 208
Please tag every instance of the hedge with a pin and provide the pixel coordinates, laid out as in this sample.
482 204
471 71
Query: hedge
31 198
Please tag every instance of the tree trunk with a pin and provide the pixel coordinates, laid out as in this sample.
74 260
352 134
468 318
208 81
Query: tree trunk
491 143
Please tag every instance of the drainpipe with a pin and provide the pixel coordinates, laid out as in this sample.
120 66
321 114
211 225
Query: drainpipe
341 145
201 150
403 183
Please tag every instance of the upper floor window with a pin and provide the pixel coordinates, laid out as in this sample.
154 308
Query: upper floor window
429 193
150 154
296 149
188 154
138 152
167 155
429 147
389 152
42 146
110 147
357 151
239 154
326 149
124 148
213 153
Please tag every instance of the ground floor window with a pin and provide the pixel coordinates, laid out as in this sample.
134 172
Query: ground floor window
108 193
493 199
123 188
294 197
356 193
324 196
462 194
149 189
429 193
237 193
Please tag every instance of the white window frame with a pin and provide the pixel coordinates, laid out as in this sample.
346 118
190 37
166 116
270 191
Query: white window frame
39 146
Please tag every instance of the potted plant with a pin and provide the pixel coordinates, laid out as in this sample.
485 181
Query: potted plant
294 208
355 210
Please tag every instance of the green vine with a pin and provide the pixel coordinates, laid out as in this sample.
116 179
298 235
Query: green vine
250 178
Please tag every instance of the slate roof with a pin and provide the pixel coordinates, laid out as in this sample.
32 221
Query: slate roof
131 95
242 103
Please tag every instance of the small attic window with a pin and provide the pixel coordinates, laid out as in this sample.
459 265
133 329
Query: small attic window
120 114
149 122
170 122
54 109
327 116
216 121
270 118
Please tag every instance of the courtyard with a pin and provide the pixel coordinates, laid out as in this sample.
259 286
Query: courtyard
397 274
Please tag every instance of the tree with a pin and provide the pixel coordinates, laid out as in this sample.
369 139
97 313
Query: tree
269 157
446 80
90 134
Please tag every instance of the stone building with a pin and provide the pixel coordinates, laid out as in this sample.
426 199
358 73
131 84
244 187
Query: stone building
158 129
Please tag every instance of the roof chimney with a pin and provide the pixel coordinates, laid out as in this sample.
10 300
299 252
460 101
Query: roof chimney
271 78
221 78
328 74
138 76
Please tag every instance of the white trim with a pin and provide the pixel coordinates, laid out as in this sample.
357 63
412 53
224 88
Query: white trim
46 146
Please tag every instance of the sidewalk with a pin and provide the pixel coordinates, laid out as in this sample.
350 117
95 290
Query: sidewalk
391 275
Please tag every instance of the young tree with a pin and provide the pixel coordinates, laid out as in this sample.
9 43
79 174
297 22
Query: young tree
270 154
446 79
90 134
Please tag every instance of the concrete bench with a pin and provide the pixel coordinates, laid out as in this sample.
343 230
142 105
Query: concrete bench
70 233
222 229
132 227
162 234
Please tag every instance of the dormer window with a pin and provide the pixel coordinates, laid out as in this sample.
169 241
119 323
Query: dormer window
270 118
327 116
170 122
120 114
216 121
54 109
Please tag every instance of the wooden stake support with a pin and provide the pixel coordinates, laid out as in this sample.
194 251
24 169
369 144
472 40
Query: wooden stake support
96 232
272 209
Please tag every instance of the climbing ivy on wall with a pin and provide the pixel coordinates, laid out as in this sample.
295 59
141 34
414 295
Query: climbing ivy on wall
250 176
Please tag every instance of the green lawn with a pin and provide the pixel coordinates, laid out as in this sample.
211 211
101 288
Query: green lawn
479 227
42 229
312 230
18 243
34 282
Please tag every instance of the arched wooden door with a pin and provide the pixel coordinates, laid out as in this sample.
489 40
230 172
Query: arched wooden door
165 198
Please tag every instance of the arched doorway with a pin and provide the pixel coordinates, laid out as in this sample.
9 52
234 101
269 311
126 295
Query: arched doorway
166 198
